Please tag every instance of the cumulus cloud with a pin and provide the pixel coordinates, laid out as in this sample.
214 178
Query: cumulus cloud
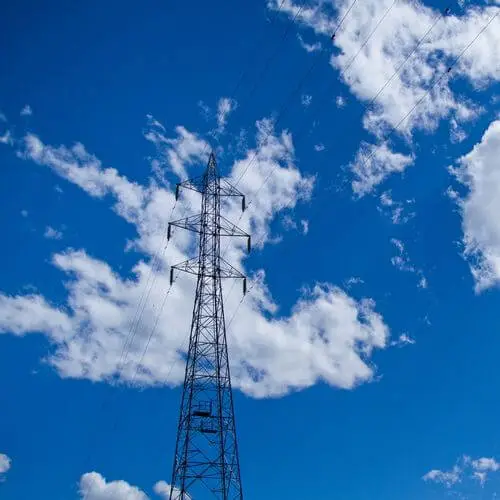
395 56
163 489
478 170
5 464
373 163
327 336
93 486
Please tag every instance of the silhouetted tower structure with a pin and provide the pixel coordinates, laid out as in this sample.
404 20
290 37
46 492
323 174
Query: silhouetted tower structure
206 463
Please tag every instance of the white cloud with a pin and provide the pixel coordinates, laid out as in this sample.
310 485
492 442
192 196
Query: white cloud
447 478
288 224
176 154
319 147
24 213
306 100
6 138
485 464
404 63
93 486
404 339
373 164
327 336
5 464
395 209
402 262
340 101
482 467
423 283
308 47
3 118
26 111
52 234
353 280
163 489
478 170
465 467
224 108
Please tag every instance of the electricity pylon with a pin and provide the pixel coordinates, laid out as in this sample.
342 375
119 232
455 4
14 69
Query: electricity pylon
206 463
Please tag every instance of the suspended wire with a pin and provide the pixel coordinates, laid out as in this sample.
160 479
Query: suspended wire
156 262
141 360
417 46
139 311
272 56
396 72
299 86
143 300
257 45
152 273
284 107
280 44
153 330
435 84
363 45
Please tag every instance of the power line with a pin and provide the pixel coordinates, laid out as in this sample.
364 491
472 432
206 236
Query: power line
363 45
257 45
275 53
400 67
435 84
284 107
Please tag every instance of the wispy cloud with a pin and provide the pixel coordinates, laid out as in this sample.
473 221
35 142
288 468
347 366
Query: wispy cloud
225 107
308 47
26 111
52 234
465 467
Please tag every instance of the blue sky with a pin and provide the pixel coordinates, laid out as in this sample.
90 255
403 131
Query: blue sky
365 356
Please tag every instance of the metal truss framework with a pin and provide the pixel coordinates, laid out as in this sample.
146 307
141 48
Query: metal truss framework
206 463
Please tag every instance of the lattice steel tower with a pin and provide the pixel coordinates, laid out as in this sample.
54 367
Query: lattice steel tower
206 463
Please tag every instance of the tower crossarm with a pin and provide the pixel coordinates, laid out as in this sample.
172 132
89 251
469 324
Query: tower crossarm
194 223
198 184
224 271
